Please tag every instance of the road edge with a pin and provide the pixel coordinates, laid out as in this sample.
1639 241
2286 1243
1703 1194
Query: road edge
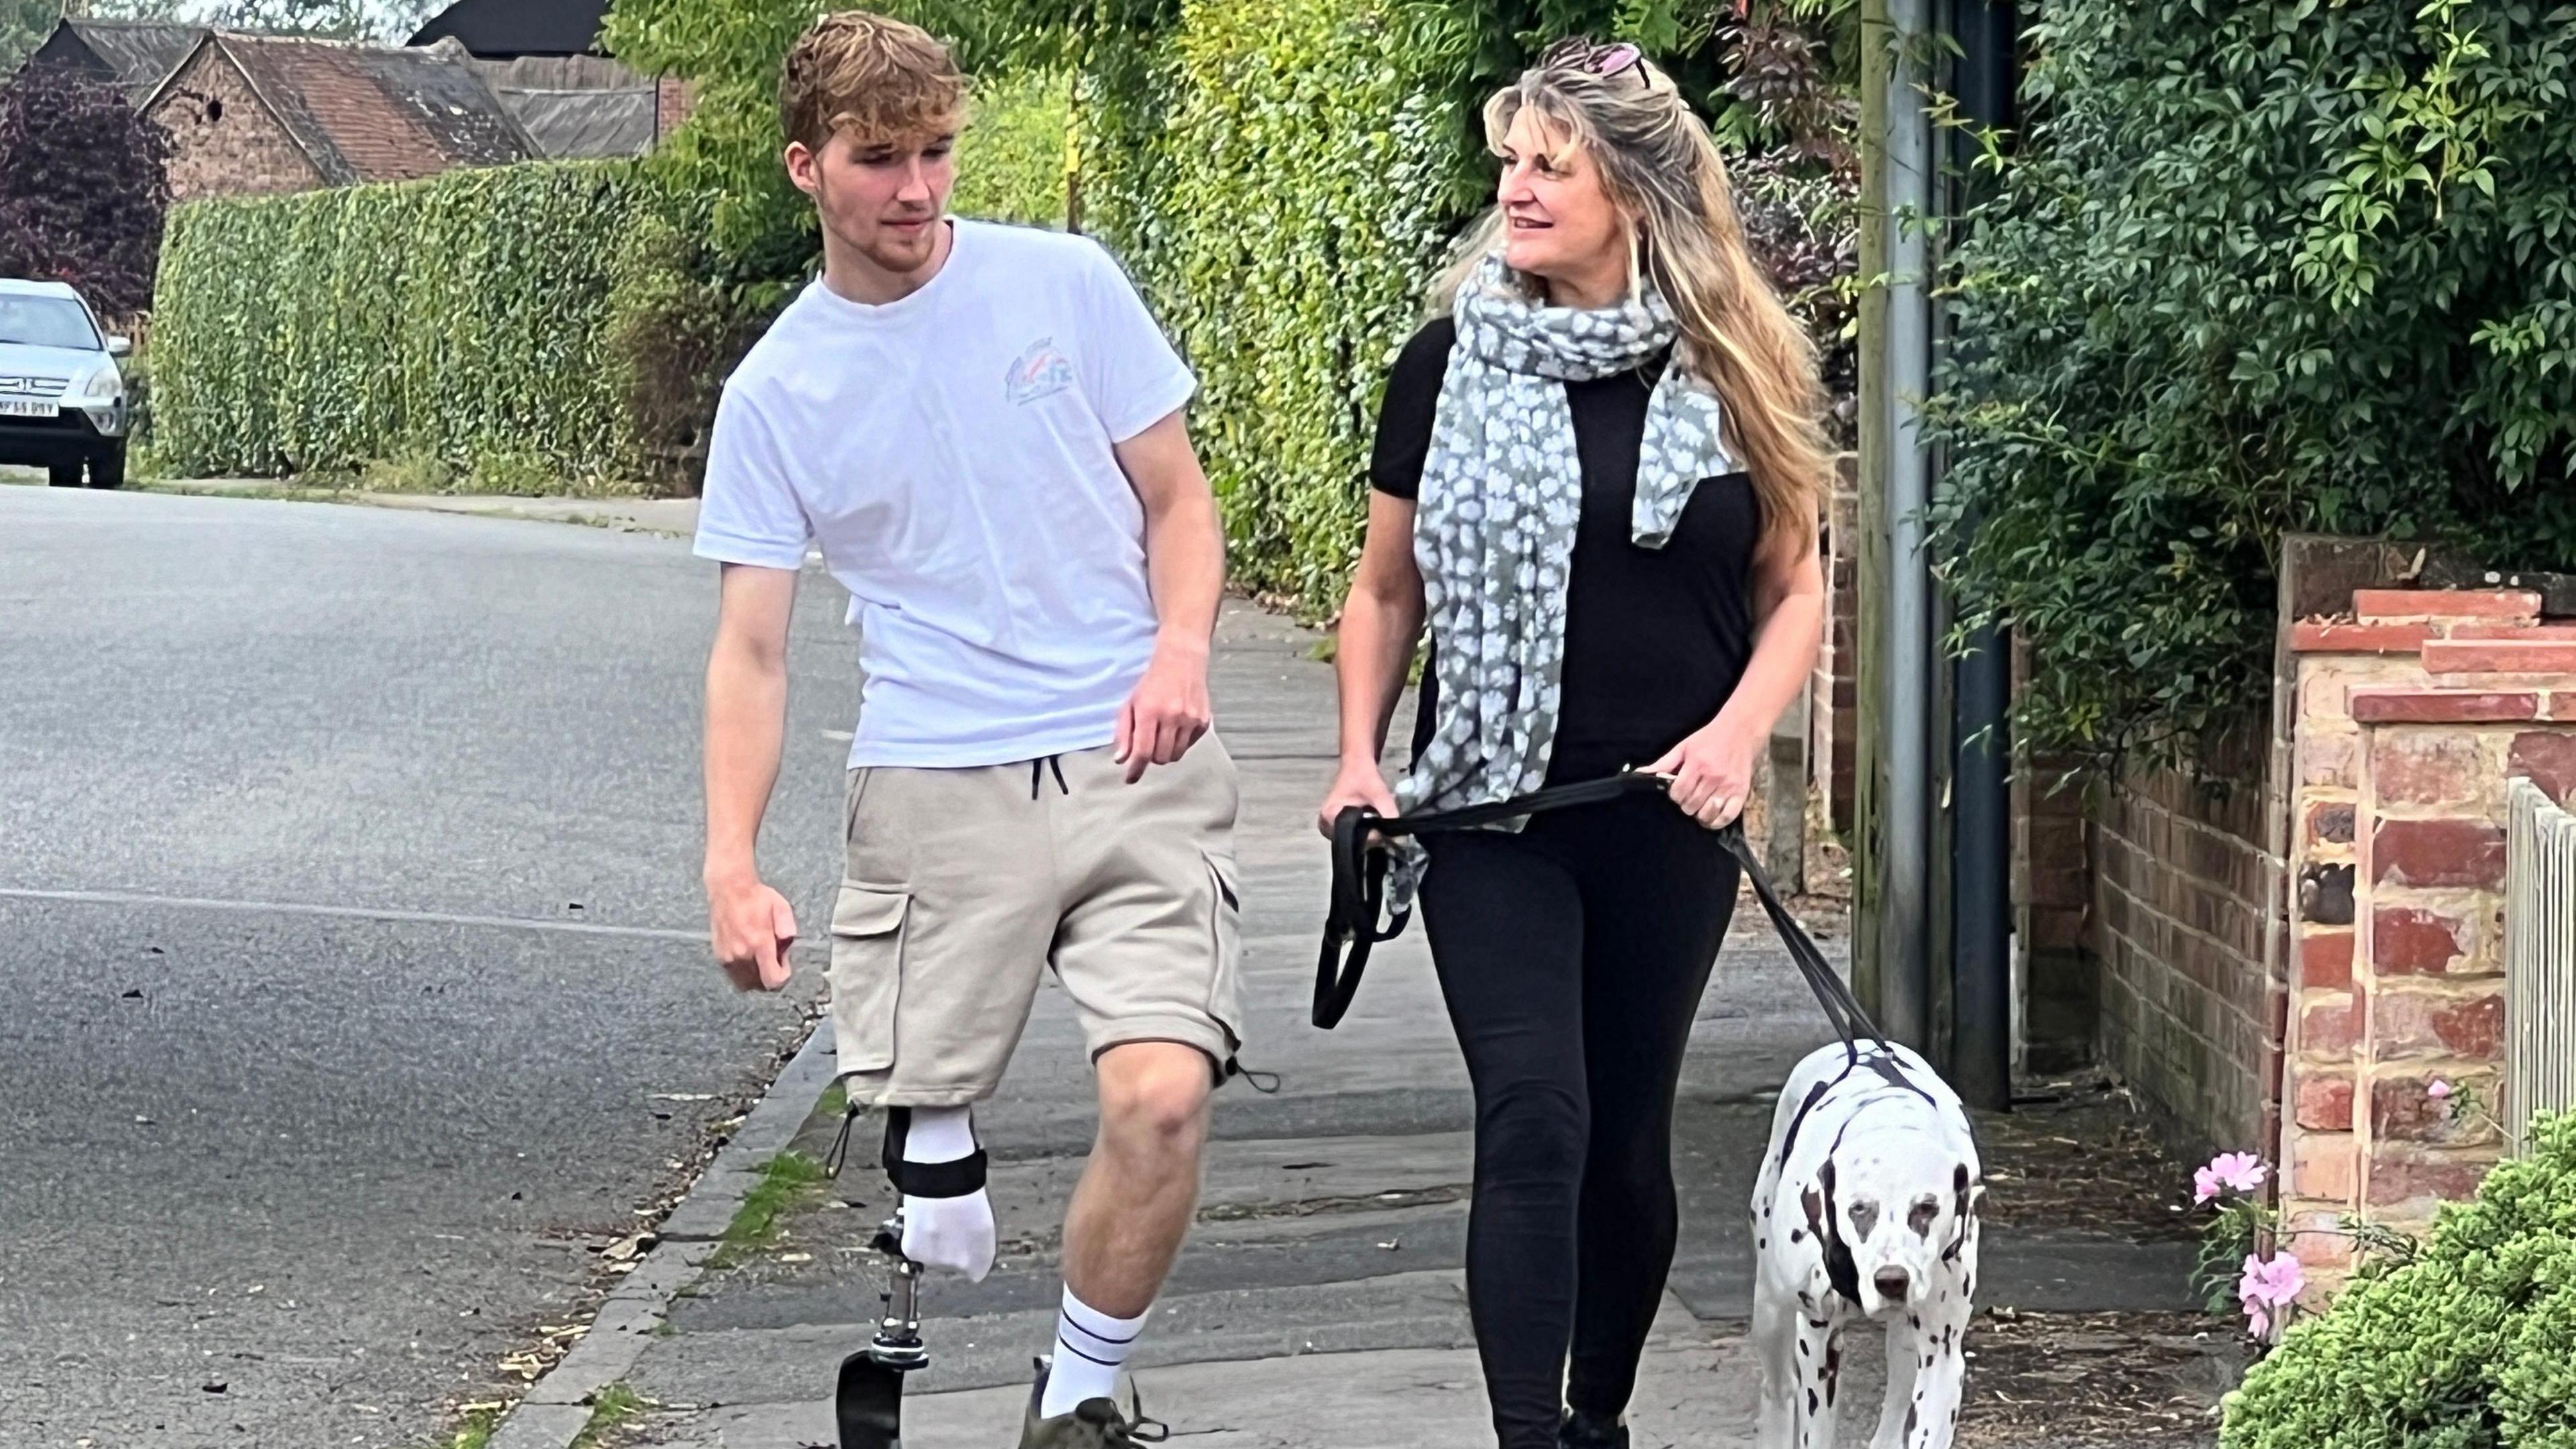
557 1406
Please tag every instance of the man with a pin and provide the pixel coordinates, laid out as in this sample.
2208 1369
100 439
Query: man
980 428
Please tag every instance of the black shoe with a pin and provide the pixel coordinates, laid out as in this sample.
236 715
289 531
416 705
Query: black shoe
1585 1431
1093 1424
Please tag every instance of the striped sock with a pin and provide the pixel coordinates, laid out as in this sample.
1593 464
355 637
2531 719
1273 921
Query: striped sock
1089 1348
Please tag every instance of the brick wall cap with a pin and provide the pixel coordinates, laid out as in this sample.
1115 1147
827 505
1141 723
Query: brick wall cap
2345 636
2414 704
2387 604
2509 629
2501 656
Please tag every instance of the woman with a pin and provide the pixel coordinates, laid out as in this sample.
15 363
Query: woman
1597 473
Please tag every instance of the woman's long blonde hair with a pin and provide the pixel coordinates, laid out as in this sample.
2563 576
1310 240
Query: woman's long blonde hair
1665 175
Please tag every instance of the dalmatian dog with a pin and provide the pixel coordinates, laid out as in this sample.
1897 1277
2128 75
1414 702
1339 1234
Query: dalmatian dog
1867 1208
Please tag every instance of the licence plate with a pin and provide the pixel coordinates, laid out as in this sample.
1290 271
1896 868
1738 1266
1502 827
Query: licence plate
20 407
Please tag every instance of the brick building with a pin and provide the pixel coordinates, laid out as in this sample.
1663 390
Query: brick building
133 55
252 115
545 60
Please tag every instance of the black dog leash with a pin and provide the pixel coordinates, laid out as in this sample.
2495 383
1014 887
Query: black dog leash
1351 926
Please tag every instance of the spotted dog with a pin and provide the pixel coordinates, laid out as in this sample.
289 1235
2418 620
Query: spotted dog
1867 1207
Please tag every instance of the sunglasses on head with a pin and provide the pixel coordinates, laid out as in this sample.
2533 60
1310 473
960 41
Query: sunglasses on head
1581 52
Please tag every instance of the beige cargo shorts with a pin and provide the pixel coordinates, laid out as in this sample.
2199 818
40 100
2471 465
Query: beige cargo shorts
966 885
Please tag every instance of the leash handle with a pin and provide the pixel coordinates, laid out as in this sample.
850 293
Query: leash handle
1850 1022
1359 887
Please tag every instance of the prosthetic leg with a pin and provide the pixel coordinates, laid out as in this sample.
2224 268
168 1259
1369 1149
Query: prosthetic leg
868 1401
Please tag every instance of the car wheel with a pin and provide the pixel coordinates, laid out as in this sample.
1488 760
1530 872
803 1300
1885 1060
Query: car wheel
107 470
63 475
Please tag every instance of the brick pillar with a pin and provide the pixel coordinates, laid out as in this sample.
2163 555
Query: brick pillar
2411 717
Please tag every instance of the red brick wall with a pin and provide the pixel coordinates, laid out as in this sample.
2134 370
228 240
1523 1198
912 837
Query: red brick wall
2052 895
1833 720
223 141
672 102
2186 896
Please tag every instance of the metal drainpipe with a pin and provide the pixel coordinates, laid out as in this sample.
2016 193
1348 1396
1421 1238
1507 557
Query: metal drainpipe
1981 826
1904 946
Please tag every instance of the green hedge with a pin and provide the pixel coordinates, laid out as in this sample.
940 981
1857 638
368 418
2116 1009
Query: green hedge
1011 160
465 322
1282 177
2470 1346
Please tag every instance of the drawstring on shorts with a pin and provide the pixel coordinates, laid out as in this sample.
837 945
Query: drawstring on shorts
1037 769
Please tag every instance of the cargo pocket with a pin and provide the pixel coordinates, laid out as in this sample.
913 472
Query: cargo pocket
1225 977
867 974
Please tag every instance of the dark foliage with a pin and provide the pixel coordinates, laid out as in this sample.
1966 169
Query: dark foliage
84 188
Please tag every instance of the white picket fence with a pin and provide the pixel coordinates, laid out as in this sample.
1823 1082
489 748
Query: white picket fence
2540 961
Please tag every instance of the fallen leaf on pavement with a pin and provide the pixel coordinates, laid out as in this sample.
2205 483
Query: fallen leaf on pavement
626 1247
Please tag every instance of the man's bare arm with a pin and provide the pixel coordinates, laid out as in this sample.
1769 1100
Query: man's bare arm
1185 568
745 731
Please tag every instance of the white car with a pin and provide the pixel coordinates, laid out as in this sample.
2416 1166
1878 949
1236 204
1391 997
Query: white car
62 398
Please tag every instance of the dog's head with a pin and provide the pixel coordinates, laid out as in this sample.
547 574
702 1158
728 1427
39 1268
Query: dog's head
1890 1208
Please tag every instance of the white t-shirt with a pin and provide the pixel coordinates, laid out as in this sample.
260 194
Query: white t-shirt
950 453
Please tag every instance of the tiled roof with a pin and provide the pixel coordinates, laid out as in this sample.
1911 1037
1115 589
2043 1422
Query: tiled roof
379 113
142 53
572 125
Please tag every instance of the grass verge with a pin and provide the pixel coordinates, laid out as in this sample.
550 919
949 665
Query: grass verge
610 1407
785 1181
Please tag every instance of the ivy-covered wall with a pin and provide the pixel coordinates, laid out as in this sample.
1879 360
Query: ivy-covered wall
465 320
1012 160
1298 183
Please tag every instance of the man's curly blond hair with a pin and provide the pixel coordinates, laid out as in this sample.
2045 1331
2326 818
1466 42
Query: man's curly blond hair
879 79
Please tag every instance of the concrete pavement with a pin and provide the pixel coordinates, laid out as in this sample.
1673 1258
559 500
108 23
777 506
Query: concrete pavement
353 996
1320 1302
390 821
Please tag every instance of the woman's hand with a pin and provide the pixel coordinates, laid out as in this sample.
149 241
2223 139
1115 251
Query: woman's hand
1361 782
1712 771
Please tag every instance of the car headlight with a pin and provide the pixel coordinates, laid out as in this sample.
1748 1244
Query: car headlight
99 388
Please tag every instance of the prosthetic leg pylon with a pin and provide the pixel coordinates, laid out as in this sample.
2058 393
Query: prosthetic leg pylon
869 1399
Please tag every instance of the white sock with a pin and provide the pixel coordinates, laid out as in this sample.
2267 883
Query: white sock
1090 1346
946 1232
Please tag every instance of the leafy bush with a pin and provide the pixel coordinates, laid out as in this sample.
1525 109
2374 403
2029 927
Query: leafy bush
84 188
469 318
1011 160
2254 269
1307 190
2471 1345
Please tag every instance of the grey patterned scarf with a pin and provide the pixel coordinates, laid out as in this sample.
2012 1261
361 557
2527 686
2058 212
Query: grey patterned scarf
1495 523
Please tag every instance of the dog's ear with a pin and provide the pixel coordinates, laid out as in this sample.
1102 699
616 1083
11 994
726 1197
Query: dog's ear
1966 1194
1840 1269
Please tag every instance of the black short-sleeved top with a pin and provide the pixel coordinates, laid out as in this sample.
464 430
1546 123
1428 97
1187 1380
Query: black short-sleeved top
1655 638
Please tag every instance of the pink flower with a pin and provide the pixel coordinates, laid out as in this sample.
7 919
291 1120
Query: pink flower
2268 1288
2228 1172
2439 1091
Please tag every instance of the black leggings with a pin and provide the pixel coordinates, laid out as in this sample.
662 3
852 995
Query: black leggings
1572 956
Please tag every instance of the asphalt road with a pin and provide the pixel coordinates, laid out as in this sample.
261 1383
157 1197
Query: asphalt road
351 992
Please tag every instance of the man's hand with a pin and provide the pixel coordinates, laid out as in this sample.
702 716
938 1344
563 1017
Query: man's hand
1712 772
1169 710
753 927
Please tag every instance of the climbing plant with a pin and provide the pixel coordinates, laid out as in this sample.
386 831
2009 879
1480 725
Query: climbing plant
2254 269
466 319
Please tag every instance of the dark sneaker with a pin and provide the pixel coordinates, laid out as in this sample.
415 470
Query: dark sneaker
1583 1431
1093 1424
